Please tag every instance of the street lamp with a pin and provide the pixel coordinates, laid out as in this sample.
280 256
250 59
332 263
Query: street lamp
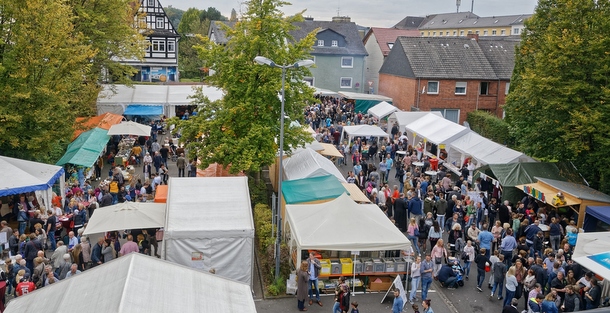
302 63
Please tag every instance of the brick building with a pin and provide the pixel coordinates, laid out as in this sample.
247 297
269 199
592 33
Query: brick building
451 75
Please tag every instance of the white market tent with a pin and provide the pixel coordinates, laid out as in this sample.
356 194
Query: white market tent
434 129
325 92
593 252
483 150
127 215
363 227
21 176
139 283
405 118
382 109
116 99
308 163
129 128
209 224
364 131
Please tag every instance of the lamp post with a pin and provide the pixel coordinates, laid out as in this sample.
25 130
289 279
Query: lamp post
303 63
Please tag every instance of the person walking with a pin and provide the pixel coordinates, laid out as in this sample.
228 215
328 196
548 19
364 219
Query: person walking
415 278
181 164
426 269
426 305
498 276
511 286
482 261
398 303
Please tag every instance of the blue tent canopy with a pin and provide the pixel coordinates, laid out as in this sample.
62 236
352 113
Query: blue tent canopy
594 214
140 109
21 176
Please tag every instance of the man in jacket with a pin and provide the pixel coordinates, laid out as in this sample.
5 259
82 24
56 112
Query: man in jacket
96 253
572 300
314 271
31 251
181 165
58 254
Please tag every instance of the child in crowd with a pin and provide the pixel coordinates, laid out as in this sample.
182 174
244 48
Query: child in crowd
355 307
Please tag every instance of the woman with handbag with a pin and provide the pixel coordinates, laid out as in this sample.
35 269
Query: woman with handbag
438 254
413 234
435 233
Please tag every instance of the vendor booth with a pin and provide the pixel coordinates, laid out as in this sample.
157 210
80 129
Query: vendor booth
364 101
405 118
483 150
139 283
151 100
308 163
103 121
363 131
130 128
126 215
597 218
86 149
382 109
329 150
209 225
21 176
574 196
592 251
434 129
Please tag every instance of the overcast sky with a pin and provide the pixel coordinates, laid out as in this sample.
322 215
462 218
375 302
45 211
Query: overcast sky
379 13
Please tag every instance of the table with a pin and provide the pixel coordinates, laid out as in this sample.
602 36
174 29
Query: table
418 164
65 221
400 155
432 174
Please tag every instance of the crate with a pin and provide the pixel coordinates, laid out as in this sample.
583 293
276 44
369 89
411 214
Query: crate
347 266
380 283
369 267
325 271
389 265
400 265
378 266
335 267
358 266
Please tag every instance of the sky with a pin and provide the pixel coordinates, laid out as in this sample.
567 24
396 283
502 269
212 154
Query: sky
372 13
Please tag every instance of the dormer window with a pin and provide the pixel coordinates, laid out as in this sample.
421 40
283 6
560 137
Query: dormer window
390 45
334 43
320 43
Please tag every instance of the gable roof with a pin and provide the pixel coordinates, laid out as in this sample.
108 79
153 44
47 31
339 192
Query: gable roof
501 56
445 20
410 22
387 36
448 58
469 20
216 30
349 30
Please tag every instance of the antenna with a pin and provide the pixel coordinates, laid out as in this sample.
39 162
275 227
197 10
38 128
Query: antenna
338 7
472 7
458 3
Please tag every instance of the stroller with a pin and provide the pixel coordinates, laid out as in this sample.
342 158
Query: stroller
457 268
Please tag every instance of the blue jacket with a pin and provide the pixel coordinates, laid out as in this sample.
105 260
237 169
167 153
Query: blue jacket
445 272
415 206
96 254
549 307
398 305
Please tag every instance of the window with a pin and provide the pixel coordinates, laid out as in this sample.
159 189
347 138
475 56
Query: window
484 88
460 88
160 22
461 33
308 81
346 82
493 32
516 31
470 32
476 32
334 43
158 45
147 45
433 34
320 43
433 88
390 45
485 32
428 33
422 33
171 46
151 3
454 33
503 32
450 114
507 88
347 62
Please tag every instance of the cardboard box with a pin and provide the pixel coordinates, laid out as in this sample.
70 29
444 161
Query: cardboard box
325 271
347 266
380 283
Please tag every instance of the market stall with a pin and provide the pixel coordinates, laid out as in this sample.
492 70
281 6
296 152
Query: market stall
103 121
129 128
434 129
139 283
363 131
593 252
364 101
309 163
86 149
382 109
126 215
483 150
209 224
404 118
574 196
21 176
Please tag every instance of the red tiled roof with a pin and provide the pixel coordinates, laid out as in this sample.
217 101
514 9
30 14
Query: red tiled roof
389 35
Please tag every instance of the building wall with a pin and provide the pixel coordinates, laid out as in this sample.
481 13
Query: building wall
404 92
328 72
374 61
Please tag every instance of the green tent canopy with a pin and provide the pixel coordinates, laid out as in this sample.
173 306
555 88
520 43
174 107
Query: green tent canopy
311 189
85 150
364 101
513 174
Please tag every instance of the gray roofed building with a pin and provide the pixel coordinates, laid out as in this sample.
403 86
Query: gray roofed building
348 30
446 20
501 56
468 20
409 22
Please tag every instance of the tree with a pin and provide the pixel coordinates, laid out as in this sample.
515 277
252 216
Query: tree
558 106
240 130
174 15
43 62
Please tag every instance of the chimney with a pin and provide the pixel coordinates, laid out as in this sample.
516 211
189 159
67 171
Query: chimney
309 18
473 37
340 19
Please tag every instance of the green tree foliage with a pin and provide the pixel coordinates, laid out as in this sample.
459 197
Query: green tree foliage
558 105
44 61
490 126
194 22
240 130
174 15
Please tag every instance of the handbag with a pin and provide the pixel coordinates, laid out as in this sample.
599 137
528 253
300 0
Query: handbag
438 260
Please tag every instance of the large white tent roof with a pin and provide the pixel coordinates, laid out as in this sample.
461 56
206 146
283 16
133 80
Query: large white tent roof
485 151
139 283
343 225
154 94
405 118
382 109
435 129
126 215
364 131
208 207
593 252
20 176
308 163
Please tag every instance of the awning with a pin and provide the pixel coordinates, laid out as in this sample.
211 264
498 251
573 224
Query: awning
355 193
330 150
545 193
593 252
595 213
126 215
150 110
309 189
130 128
161 194
21 176
382 110
85 150
104 121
